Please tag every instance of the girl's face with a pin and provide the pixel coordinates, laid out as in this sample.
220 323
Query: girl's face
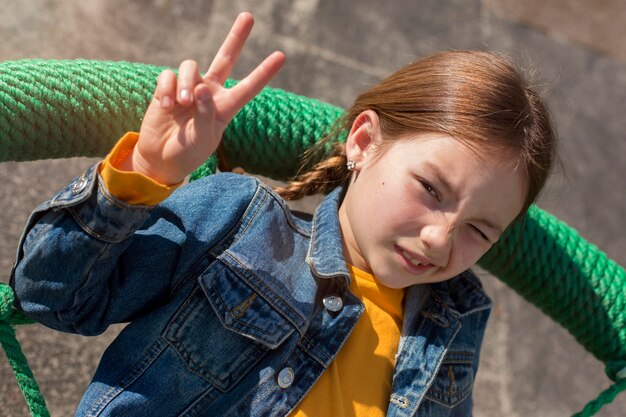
427 208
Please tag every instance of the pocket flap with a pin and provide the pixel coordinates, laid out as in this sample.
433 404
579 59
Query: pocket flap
243 309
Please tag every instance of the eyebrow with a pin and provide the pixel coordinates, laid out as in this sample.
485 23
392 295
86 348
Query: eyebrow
451 190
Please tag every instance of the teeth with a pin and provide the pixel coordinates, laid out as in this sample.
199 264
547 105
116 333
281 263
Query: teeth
413 261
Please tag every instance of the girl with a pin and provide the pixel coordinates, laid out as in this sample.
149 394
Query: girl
240 307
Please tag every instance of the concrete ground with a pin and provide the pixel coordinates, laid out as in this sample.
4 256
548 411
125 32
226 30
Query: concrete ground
530 365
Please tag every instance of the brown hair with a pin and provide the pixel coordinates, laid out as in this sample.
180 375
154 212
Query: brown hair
479 98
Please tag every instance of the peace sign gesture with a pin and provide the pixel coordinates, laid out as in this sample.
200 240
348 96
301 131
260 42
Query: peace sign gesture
185 121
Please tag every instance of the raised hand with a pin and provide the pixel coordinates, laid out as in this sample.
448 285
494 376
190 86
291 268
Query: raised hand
186 119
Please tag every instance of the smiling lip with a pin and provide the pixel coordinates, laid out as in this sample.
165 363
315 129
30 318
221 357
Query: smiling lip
406 257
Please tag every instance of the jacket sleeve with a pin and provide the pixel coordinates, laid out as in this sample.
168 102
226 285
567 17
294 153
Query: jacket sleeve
87 260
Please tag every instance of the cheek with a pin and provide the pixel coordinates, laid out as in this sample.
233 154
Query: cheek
466 252
400 217
391 209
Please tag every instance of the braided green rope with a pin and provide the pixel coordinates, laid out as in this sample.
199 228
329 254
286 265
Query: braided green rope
571 281
51 109
604 398
17 360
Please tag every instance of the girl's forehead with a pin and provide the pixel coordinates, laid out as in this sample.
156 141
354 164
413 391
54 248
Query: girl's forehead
422 145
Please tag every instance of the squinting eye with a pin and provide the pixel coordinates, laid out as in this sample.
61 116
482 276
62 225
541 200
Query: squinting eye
482 235
431 190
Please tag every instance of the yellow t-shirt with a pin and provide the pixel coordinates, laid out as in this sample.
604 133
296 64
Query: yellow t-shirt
358 381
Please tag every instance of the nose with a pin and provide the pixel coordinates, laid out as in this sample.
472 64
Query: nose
437 239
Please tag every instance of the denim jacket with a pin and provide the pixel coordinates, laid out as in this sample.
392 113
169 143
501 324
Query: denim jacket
226 294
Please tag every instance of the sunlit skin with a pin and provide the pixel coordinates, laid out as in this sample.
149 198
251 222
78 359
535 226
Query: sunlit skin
425 209
185 121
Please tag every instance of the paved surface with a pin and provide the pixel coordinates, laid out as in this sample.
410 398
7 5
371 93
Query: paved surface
530 366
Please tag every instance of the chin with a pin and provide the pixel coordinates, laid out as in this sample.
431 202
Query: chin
403 283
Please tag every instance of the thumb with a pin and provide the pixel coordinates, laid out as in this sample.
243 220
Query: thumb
204 117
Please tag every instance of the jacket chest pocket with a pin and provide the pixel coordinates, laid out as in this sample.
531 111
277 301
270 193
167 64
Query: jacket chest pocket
454 381
225 327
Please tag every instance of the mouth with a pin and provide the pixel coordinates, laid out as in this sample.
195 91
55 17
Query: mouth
413 263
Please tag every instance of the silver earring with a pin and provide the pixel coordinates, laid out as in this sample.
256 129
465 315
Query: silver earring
350 165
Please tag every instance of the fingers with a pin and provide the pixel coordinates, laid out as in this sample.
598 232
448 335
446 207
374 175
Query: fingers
171 90
229 52
166 89
204 112
225 103
188 77
250 86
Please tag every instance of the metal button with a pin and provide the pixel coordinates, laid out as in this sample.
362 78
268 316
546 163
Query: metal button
286 377
79 185
333 303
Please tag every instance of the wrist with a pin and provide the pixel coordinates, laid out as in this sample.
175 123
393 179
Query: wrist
139 164
126 157
126 164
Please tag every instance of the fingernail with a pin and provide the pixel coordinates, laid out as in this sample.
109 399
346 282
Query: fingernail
184 94
166 102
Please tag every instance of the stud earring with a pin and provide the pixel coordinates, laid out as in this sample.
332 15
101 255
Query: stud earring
350 165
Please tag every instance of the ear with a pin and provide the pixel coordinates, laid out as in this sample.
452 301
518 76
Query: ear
364 133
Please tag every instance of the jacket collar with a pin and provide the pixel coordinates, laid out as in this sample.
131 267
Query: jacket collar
463 294
325 255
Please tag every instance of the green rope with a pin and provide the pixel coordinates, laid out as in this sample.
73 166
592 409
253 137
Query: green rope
569 279
604 398
53 109
13 350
